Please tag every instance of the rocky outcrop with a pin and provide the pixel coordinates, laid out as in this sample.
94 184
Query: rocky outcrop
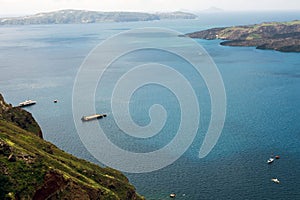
19 117
32 168
283 37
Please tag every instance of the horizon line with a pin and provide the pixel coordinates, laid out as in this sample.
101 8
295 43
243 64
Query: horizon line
203 11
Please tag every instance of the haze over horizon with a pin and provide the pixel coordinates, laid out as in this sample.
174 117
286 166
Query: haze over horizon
18 7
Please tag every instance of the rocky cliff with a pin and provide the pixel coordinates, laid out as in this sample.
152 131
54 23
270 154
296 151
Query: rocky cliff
19 117
277 36
32 168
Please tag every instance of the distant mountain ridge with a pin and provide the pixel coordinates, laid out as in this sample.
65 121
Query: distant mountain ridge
84 17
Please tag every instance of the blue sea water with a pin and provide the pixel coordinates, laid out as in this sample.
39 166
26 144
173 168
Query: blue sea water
263 106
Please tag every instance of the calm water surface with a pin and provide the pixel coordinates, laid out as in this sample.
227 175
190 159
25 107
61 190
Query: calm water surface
263 109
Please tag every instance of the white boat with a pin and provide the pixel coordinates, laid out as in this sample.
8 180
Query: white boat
92 117
270 160
275 180
27 103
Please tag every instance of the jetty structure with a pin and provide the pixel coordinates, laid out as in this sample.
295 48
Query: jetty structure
92 117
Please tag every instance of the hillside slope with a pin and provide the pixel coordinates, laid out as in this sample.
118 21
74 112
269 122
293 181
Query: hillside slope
277 36
32 168
19 117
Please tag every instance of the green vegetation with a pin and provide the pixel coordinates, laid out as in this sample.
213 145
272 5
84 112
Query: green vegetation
19 117
295 22
32 168
253 36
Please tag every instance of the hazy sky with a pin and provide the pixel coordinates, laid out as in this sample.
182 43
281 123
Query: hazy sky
13 7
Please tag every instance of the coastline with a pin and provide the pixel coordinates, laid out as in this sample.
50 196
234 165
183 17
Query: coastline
278 36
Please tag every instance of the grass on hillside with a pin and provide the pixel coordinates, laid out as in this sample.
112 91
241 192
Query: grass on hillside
24 178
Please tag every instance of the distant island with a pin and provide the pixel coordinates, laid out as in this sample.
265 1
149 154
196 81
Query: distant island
284 37
85 17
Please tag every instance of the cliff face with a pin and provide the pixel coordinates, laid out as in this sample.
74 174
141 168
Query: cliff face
19 117
277 36
31 168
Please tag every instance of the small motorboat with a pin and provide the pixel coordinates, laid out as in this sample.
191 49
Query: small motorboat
172 195
55 101
275 180
270 160
277 157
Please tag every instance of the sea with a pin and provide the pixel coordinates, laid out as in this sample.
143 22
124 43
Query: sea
41 62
